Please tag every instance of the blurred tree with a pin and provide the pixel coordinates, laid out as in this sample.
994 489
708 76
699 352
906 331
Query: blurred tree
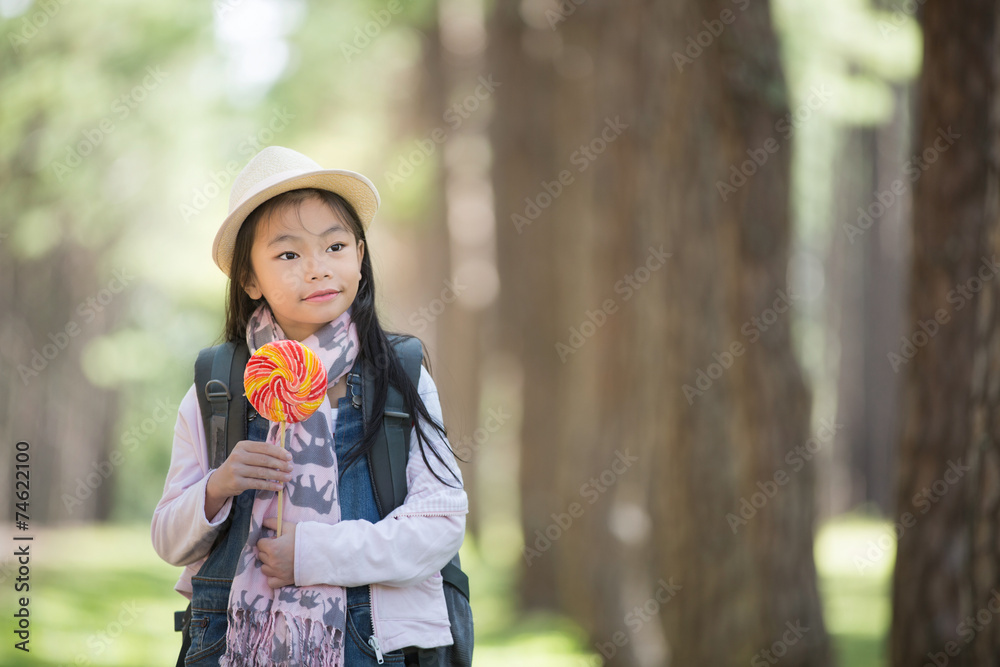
867 279
463 278
79 95
121 128
848 148
948 494
656 401
866 273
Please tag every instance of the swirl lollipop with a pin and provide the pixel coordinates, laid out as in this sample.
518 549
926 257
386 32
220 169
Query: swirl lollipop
285 382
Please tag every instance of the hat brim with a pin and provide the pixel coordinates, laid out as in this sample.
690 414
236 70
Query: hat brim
350 185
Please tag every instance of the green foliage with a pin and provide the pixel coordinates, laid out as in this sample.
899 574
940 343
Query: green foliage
122 126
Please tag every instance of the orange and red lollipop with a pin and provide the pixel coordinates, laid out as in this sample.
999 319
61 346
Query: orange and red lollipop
285 382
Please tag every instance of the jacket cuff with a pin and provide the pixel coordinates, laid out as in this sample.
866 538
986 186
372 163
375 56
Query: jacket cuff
223 512
396 551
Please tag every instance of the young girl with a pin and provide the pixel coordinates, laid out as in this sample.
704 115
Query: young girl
340 586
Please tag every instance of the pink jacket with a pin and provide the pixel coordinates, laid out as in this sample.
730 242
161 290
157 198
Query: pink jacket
401 555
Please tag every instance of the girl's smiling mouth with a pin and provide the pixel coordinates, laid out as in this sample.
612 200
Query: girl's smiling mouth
321 295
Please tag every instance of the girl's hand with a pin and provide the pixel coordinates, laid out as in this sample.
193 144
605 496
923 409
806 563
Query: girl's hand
252 465
277 554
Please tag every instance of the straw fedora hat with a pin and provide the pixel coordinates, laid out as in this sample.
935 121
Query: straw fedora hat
275 170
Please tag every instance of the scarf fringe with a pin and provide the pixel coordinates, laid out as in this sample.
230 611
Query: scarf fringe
248 641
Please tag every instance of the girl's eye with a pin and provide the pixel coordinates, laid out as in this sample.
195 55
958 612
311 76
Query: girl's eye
336 244
283 255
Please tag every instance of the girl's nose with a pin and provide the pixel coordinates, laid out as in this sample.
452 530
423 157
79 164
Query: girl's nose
317 269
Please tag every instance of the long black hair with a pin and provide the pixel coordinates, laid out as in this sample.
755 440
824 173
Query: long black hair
375 346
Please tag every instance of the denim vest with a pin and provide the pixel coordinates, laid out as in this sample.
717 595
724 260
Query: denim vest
357 501
210 587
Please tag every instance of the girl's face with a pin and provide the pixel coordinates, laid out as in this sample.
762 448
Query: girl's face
307 265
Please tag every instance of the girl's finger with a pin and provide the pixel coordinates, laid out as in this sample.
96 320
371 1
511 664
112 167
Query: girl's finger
257 472
263 484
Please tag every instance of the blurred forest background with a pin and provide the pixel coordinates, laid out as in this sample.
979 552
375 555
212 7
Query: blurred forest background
707 287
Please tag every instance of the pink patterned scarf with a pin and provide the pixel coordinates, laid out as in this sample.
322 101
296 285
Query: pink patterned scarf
294 625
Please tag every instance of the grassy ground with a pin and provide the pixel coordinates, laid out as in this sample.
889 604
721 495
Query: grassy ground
855 574
101 596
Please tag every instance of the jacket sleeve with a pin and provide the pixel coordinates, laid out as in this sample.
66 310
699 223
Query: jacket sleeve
181 532
412 542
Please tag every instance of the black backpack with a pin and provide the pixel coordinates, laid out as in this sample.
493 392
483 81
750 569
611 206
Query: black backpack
220 367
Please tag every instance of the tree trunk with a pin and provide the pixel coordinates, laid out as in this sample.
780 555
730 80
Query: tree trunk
868 277
946 575
522 144
626 483
854 183
46 398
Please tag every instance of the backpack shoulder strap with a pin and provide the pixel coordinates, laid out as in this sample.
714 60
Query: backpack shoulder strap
392 446
216 370
218 379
